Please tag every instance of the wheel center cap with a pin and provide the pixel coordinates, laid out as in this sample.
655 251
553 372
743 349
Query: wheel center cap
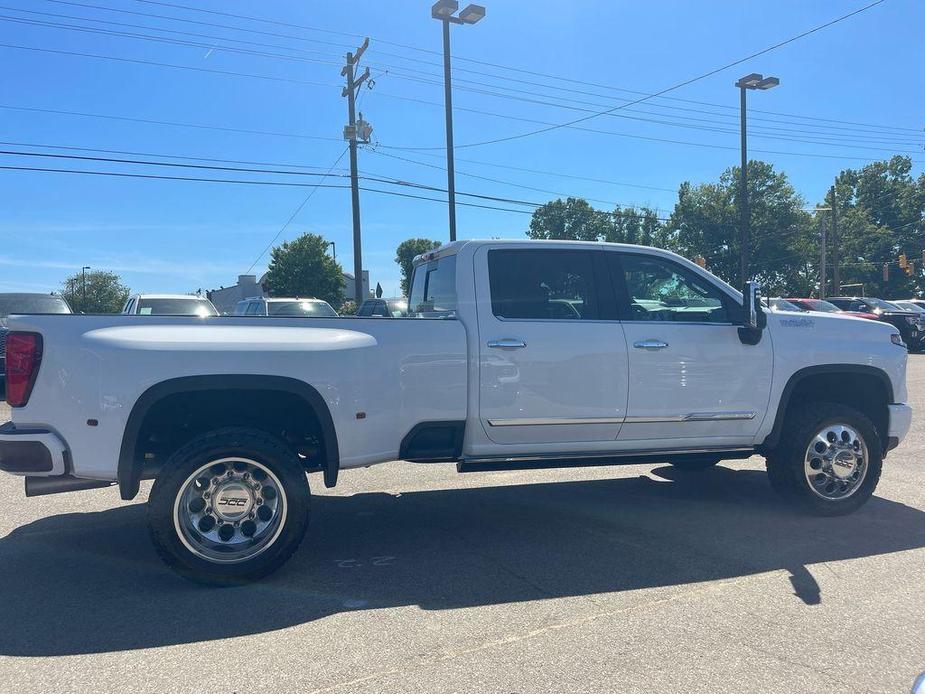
843 464
233 501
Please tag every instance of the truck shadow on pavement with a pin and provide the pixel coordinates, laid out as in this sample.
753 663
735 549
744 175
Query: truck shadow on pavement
91 583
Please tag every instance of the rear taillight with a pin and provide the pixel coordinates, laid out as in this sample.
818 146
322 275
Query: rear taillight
23 357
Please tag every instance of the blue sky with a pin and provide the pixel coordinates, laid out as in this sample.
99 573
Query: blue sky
182 236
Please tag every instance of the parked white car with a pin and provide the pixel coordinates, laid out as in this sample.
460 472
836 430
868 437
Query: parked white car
169 305
652 359
282 307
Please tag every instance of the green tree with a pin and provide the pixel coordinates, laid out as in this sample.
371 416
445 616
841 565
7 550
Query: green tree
880 214
406 252
303 268
99 291
705 222
573 219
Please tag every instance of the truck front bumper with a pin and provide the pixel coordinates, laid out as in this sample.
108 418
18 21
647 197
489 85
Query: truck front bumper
900 422
34 452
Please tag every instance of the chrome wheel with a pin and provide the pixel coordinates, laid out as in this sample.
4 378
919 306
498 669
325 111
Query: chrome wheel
836 462
230 510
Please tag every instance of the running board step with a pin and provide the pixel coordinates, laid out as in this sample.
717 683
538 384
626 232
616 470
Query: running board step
40 486
547 462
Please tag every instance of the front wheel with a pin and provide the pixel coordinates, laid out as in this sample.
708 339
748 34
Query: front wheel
230 506
829 459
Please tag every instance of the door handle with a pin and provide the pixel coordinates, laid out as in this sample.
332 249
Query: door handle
507 343
651 345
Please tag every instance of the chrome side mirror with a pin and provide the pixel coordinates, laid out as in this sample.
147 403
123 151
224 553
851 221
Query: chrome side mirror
753 319
751 303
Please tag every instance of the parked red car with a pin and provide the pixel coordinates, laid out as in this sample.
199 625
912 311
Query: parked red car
825 307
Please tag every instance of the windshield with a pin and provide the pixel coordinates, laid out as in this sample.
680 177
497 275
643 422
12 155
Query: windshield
909 306
398 307
38 303
784 305
822 306
316 309
175 307
883 305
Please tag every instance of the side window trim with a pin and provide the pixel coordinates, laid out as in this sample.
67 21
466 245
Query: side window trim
625 314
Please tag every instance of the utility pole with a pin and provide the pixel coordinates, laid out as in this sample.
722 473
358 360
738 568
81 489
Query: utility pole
823 270
836 279
350 133
83 273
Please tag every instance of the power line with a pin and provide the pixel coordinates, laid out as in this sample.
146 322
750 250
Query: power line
726 130
507 68
295 212
248 182
546 128
671 88
499 181
156 154
152 63
162 39
507 94
613 133
176 124
510 92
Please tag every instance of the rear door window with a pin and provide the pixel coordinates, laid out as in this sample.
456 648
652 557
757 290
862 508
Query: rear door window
542 284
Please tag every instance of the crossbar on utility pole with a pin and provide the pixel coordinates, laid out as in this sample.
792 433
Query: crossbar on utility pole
351 133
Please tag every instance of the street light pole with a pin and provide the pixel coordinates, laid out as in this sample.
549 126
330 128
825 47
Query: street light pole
752 81
444 10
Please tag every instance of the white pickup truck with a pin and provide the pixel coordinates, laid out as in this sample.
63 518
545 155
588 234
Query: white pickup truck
518 353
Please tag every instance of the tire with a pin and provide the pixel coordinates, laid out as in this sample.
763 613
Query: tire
831 482
235 468
695 464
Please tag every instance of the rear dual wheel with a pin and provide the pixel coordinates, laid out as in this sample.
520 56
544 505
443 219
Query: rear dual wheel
231 506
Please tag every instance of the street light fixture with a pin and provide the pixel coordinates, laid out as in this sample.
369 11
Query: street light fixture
754 81
445 11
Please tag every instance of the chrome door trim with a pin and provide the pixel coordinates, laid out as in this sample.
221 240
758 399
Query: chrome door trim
691 417
566 421
553 421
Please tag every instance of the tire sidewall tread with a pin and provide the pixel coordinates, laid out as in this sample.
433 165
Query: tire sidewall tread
222 443
786 463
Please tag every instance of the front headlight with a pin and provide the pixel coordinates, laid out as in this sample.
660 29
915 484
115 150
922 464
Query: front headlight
897 339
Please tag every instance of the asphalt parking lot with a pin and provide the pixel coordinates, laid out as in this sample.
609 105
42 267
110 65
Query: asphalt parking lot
415 578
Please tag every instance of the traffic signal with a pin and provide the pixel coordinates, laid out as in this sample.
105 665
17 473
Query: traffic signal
910 269
903 261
